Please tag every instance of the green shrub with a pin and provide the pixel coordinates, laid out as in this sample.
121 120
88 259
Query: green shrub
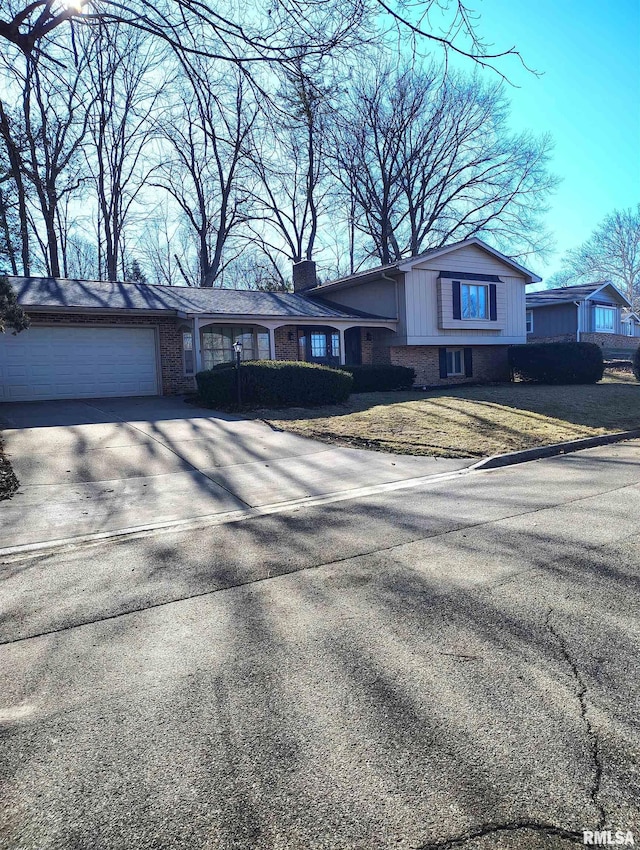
274 383
635 364
557 362
371 379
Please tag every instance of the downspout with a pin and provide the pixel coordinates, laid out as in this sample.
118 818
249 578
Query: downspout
578 328
397 294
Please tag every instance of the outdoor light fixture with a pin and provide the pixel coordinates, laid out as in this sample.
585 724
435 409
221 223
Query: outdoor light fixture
290 336
237 347
368 337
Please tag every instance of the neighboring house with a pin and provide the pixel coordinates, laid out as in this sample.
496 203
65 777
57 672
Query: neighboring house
630 324
450 313
593 312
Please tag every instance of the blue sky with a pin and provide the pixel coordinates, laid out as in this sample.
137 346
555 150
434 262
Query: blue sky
588 98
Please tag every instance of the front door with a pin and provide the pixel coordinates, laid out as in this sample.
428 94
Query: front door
353 347
320 345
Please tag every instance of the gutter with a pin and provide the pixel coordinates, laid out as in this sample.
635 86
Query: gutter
578 328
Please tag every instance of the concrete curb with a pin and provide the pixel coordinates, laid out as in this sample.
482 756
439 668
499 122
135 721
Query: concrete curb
26 550
207 520
512 458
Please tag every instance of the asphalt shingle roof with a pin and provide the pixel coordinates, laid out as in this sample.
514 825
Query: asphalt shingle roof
45 292
563 294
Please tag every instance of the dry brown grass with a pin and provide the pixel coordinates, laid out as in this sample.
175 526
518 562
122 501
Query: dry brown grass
470 422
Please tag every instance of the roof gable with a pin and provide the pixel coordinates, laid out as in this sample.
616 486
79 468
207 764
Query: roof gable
474 241
569 294
433 253
607 285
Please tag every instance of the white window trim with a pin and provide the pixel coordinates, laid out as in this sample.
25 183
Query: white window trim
453 352
256 329
529 322
487 315
598 328
185 372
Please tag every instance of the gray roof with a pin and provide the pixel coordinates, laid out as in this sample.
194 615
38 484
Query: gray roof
56 293
565 294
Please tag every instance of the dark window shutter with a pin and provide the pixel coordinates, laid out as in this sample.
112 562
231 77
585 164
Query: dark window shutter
468 363
493 303
456 299
442 354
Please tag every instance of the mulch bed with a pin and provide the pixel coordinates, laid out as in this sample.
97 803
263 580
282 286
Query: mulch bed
8 480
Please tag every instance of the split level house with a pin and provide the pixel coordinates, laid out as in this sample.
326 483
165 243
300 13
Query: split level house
594 312
450 313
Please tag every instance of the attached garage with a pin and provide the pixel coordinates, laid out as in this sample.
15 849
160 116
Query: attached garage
78 362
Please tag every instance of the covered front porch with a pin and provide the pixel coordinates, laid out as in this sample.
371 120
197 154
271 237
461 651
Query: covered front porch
340 342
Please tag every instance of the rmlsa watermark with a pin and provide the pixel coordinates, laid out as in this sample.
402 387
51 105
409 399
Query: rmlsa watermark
608 837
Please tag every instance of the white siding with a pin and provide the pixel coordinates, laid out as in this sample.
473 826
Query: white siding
422 308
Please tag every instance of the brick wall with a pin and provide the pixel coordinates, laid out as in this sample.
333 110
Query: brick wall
375 351
614 341
286 349
561 338
489 363
172 379
612 345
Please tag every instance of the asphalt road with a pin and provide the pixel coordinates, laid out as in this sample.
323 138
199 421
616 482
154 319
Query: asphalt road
454 665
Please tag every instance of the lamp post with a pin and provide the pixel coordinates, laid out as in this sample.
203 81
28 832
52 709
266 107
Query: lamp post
237 347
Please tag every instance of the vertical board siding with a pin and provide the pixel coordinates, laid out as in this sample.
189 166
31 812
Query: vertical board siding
429 304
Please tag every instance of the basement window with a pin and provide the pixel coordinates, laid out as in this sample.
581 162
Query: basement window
455 362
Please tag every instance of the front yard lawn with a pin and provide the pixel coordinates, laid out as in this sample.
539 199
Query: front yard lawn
469 422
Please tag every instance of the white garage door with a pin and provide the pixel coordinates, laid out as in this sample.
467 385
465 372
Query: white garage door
77 362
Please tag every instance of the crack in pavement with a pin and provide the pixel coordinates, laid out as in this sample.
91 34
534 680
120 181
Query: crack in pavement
494 828
581 694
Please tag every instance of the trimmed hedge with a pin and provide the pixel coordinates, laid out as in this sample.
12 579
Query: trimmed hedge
557 362
635 363
371 379
274 383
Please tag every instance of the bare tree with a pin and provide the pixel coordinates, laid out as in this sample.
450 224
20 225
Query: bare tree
12 135
205 174
612 252
289 163
425 161
9 223
81 257
43 138
127 83
254 269
166 248
274 33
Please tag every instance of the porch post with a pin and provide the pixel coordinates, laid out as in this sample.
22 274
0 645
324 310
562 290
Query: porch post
272 343
196 344
342 352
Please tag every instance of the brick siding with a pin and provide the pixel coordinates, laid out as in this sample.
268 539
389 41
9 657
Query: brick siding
560 338
172 378
612 341
489 364
286 349
611 344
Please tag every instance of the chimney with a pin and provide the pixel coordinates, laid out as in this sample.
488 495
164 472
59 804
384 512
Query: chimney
304 275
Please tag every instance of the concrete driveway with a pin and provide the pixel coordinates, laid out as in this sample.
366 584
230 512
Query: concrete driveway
101 465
